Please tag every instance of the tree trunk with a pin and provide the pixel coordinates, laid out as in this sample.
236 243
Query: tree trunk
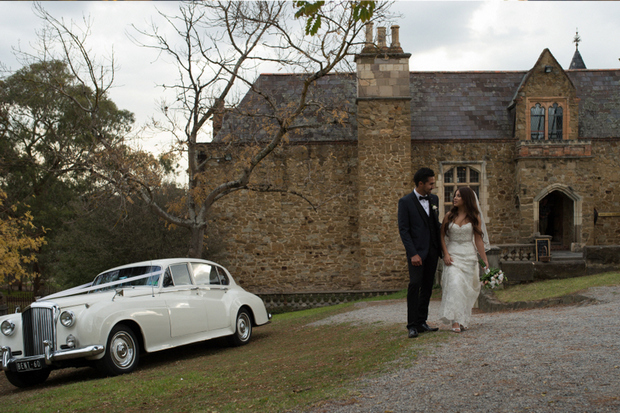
36 282
197 242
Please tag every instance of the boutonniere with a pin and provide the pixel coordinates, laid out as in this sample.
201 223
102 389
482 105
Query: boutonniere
435 208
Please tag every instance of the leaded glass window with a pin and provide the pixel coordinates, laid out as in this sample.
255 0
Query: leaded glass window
537 122
555 122
547 118
457 177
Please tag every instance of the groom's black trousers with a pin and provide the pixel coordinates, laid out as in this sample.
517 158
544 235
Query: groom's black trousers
421 279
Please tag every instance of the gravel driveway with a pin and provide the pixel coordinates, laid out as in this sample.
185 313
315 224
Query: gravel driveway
559 359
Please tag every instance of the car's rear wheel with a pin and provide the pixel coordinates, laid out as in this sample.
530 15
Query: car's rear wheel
243 328
27 378
122 352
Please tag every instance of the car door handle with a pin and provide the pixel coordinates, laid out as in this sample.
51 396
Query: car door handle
195 288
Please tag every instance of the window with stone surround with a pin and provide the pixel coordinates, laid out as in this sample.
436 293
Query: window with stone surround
546 120
457 176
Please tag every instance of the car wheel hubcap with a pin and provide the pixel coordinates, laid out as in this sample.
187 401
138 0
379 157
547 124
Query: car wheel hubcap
123 350
244 327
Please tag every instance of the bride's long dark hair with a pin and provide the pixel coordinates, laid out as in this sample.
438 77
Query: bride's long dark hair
471 211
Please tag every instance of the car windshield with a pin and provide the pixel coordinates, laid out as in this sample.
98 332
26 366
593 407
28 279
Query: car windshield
127 274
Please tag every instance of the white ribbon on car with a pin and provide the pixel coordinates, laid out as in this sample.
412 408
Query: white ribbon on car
84 288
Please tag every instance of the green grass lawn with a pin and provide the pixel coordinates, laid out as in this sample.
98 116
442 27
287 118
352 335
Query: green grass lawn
555 288
288 364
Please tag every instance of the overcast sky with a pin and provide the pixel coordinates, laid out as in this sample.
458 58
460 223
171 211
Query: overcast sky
440 35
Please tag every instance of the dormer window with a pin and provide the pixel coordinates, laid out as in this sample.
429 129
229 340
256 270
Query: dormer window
546 118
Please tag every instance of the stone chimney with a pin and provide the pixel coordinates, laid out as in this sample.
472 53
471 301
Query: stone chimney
384 157
381 43
382 72
369 44
395 46
381 38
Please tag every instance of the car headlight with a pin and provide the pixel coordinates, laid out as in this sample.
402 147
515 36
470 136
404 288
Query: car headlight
67 318
7 327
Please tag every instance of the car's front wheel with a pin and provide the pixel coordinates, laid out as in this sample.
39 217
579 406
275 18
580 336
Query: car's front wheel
122 352
243 329
27 378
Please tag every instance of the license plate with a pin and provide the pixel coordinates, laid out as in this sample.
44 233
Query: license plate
29 365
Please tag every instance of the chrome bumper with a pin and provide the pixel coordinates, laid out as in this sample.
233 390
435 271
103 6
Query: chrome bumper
50 356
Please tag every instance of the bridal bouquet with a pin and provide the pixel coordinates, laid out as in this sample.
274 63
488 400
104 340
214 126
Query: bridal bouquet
492 277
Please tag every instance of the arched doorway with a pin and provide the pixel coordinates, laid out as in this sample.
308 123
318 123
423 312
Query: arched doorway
554 218
558 213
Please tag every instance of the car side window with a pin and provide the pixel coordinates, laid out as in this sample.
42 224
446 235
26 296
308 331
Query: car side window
168 279
180 275
201 272
214 278
222 275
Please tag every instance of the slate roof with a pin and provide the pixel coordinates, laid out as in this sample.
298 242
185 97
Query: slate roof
445 105
333 116
599 107
462 105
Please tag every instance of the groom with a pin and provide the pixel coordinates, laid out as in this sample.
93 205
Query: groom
418 224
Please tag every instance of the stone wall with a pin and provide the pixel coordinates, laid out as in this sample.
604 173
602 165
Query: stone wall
285 302
277 242
602 188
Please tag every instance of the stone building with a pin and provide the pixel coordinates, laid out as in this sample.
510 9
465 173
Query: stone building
540 146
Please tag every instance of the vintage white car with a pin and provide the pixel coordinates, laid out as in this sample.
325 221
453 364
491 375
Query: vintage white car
147 306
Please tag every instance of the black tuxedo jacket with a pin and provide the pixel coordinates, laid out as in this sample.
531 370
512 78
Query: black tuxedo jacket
418 231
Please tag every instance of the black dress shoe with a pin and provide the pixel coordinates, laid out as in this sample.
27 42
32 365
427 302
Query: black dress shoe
413 333
423 328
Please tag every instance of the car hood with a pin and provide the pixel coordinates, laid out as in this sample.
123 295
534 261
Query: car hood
93 297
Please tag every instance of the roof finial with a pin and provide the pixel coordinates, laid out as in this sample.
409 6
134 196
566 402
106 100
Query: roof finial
577 39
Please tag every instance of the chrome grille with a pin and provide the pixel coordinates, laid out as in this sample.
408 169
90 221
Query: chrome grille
38 324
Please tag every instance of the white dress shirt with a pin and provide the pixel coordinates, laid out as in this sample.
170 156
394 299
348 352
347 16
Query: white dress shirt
426 204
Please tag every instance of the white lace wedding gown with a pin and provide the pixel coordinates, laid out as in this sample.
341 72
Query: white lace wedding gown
460 282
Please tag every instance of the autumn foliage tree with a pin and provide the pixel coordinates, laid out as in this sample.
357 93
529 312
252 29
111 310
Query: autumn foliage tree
17 248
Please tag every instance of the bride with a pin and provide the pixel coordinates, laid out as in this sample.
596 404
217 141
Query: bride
462 234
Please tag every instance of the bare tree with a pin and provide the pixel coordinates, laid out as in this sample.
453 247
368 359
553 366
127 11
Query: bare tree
223 43
217 48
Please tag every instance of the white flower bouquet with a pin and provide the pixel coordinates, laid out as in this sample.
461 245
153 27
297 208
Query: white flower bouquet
492 277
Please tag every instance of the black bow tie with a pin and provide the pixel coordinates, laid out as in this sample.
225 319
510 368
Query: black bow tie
427 197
